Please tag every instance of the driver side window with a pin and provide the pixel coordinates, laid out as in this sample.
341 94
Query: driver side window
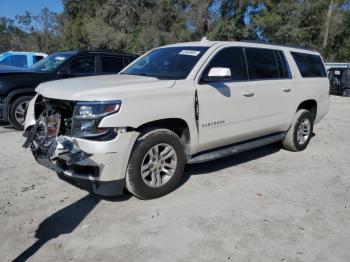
233 58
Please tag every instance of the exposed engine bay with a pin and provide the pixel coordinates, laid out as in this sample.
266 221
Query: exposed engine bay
49 139
54 116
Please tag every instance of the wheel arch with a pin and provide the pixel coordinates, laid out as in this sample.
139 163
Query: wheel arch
311 105
177 125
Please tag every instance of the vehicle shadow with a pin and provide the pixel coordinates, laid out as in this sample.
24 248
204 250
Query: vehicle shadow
64 221
222 88
5 125
229 161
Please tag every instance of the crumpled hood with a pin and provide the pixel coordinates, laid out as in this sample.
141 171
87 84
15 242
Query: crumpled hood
99 88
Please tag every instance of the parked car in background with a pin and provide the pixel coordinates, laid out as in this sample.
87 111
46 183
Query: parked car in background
20 59
178 104
17 86
339 77
336 65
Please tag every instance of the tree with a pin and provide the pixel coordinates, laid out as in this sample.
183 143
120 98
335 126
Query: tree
140 25
316 24
75 15
44 30
232 23
137 25
5 34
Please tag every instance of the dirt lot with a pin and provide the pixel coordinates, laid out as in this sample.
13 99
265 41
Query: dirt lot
264 205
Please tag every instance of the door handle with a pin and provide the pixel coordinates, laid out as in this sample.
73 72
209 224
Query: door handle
287 89
248 93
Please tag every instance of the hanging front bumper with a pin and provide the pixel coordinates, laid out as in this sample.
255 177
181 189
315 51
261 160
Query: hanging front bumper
96 166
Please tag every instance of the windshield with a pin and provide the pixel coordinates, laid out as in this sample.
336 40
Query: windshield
2 56
51 62
167 63
4 59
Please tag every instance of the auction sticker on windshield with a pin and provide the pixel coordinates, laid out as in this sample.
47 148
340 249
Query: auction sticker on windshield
190 52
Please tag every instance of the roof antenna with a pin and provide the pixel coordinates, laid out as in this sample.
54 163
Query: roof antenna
204 39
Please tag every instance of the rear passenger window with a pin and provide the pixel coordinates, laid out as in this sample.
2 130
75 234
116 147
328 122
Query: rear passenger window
232 58
262 64
112 64
309 65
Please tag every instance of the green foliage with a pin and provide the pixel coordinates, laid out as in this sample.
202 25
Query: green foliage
140 25
316 24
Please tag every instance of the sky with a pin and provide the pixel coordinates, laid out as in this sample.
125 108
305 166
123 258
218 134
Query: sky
11 8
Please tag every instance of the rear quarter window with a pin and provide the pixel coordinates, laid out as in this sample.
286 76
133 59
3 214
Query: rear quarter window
309 65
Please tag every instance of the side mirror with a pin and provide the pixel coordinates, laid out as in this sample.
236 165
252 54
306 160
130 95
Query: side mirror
218 74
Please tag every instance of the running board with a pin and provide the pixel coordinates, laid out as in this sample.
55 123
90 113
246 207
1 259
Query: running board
235 149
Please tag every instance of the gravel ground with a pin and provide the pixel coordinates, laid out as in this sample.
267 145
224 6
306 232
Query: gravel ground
264 205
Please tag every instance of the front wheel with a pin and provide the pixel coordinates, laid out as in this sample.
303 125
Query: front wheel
300 132
156 164
18 111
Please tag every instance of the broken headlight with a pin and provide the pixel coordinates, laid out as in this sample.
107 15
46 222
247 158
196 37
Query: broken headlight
88 115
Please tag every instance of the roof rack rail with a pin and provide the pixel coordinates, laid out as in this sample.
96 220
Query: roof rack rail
272 44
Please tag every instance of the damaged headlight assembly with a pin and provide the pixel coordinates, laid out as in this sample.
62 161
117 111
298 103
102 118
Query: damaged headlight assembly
88 115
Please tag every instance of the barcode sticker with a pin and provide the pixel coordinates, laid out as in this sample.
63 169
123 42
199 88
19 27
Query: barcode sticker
190 52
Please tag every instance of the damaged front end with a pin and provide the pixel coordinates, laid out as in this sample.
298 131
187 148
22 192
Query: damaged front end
82 161
48 139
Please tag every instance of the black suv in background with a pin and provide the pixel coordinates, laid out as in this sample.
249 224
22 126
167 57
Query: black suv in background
340 81
17 85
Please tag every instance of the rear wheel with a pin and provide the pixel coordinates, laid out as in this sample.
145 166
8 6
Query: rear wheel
18 111
156 164
300 132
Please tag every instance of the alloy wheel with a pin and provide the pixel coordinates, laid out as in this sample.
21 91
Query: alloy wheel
20 112
159 165
304 130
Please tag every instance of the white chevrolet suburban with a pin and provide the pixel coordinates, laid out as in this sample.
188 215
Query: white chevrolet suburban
177 104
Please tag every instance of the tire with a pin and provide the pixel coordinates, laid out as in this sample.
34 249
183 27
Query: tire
292 141
346 92
143 155
18 110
